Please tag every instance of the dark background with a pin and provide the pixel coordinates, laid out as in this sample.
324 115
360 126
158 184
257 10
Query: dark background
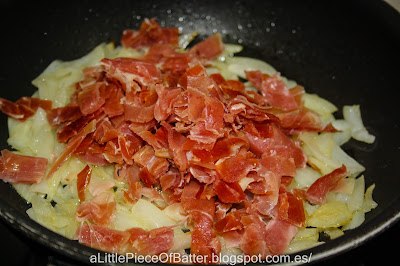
65 31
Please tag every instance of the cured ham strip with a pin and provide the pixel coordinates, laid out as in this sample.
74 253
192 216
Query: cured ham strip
241 106
201 212
83 179
138 114
278 235
134 193
99 210
150 32
58 116
266 189
102 238
254 235
70 129
230 222
268 140
228 192
225 147
130 72
157 141
151 242
172 62
317 192
264 239
154 166
208 48
24 107
196 78
235 168
175 144
291 209
72 145
209 124
16 168
171 179
164 104
34 103
114 103
303 120
135 240
105 132
274 90
279 165
90 100
202 174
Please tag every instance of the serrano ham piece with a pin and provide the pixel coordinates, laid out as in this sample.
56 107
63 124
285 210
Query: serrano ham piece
175 144
278 235
60 115
72 145
136 240
281 166
267 139
274 90
229 192
16 168
230 222
201 212
131 72
102 238
271 238
208 48
24 107
83 179
90 100
235 168
241 106
99 210
291 209
151 242
303 120
150 32
164 104
317 192
113 106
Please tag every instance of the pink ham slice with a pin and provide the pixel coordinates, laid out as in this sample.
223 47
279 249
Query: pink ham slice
16 168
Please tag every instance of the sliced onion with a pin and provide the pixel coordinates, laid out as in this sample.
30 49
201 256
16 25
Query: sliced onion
239 64
357 197
352 114
330 214
358 219
333 232
229 51
345 131
369 203
353 167
186 39
319 105
305 177
300 245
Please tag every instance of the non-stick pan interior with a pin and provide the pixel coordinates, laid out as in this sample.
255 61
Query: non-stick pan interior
345 51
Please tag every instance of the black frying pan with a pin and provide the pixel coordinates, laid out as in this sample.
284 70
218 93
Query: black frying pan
346 52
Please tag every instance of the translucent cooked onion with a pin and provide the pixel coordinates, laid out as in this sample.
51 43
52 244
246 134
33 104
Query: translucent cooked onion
352 114
330 214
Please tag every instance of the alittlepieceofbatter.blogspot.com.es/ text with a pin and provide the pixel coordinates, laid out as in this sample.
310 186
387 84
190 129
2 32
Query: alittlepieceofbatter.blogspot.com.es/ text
178 258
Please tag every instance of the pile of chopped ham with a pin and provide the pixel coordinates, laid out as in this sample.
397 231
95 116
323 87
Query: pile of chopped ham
225 153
